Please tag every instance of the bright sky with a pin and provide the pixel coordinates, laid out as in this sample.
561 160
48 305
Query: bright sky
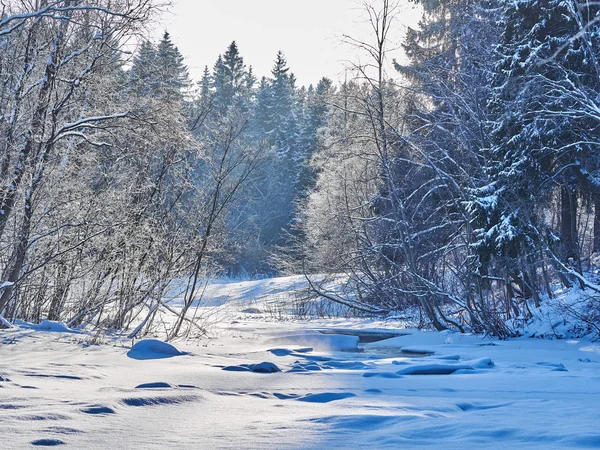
308 31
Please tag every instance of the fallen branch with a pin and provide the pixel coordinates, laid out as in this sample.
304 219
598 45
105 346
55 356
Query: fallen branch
177 313
4 324
335 299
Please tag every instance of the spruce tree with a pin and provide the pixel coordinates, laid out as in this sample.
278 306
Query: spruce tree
159 71
544 136
142 73
172 74
232 83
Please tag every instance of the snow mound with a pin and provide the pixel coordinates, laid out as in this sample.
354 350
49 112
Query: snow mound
433 369
305 367
480 407
158 401
98 410
288 352
241 368
281 396
55 376
381 375
446 368
326 397
481 363
347 365
153 349
281 351
594 348
154 385
374 391
450 357
47 442
49 326
263 367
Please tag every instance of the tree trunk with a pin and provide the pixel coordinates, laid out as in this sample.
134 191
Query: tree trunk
60 292
568 223
596 243
34 136
19 256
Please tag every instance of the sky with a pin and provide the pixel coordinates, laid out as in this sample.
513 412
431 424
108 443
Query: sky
309 32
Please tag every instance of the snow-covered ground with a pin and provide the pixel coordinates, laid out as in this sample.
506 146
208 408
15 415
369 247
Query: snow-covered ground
269 298
319 388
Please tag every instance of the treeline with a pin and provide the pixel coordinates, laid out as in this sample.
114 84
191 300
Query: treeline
465 183
123 183
462 182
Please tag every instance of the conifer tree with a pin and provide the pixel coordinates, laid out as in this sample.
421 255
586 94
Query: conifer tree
172 75
232 82
159 71
544 139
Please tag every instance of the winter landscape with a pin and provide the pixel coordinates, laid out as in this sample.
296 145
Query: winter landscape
385 234
336 386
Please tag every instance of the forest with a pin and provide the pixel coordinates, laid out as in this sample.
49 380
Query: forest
457 178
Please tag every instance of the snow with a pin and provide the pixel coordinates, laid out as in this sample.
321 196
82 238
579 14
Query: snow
153 349
48 326
591 348
4 323
297 384
263 367
265 299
